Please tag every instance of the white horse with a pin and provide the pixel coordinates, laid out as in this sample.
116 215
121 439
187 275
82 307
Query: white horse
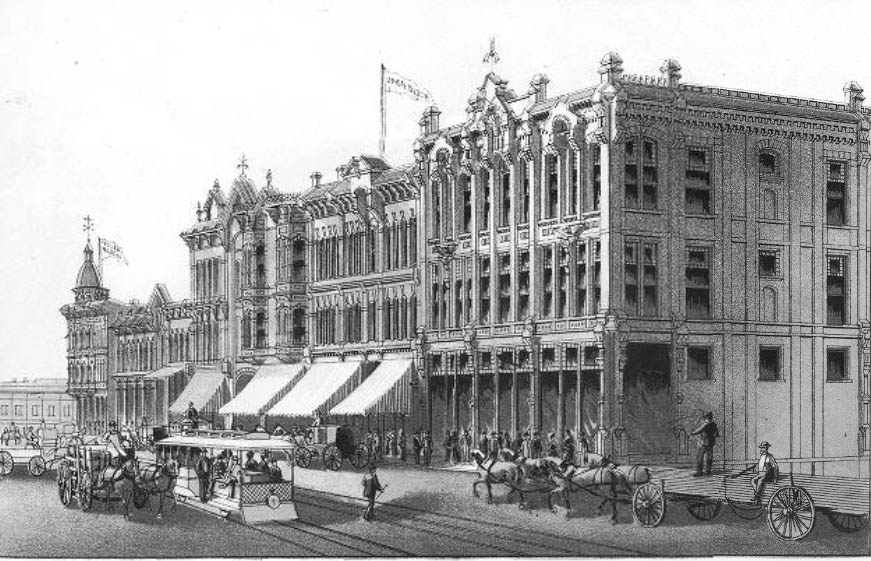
494 472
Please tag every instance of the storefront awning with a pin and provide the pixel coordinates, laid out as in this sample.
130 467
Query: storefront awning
204 389
266 388
324 385
165 371
386 390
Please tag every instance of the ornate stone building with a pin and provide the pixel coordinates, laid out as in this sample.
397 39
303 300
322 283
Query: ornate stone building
622 258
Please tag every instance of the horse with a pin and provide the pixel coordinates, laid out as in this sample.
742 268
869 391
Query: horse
494 471
159 480
120 482
538 468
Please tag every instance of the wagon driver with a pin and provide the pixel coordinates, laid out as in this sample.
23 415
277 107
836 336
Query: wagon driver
766 471
114 442
192 415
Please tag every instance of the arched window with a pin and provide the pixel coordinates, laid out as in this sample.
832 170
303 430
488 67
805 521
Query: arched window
769 204
436 201
769 304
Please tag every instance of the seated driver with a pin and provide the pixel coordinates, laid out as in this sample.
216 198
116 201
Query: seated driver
766 471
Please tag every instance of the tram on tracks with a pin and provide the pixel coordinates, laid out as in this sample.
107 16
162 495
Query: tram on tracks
256 496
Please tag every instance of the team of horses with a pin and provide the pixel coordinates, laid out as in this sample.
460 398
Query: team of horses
558 478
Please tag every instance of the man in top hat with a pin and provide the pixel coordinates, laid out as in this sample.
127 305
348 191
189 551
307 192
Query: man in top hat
766 471
192 415
709 433
371 488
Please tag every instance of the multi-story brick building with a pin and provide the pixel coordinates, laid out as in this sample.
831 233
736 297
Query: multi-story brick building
620 259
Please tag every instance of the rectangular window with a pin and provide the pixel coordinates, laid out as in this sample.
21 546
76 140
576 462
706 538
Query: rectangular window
547 275
597 274
458 303
836 365
485 201
650 176
4 410
51 410
597 176
581 280
466 189
552 166
19 410
523 285
505 288
630 176
436 289
506 199
836 204
436 210
484 292
698 182
34 410
698 283
640 279
698 363
575 182
769 364
524 192
630 278
769 265
836 289
467 311
650 296
562 282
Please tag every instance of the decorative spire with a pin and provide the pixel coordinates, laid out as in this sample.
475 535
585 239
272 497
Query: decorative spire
243 165
492 57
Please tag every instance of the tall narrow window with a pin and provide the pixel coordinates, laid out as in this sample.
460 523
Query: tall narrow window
467 309
562 282
698 283
484 292
698 182
597 176
261 330
650 296
769 364
769 204
836 211
370 257
458 302
574 195
597 276
506 196
552 171
523 285
524 192
436 289
630 278
581 280
547 276
630 175
836 290
298 256
650 174
485 200
260 253
371 320
298 326
504 288
466 190
436 210
445 300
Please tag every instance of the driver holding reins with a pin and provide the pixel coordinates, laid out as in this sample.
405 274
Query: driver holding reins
115 442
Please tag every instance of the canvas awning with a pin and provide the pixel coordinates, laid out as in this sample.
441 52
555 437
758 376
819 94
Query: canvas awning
266 388
204 389
324 385
386 390
165 371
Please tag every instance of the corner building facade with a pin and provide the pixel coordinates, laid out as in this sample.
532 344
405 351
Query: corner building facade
623 258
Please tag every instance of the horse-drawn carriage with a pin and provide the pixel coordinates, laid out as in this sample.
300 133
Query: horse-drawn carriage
332 443
38 454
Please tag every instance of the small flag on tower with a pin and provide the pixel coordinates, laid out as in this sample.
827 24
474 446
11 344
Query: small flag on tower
396 83
108 248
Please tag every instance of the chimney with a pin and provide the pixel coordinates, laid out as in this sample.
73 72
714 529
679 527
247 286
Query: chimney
611 67
853 96
429 123
316 179
671 72
538 86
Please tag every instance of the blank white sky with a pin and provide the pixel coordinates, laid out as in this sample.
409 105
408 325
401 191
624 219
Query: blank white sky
130 113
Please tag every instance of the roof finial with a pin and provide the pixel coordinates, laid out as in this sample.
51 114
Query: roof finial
216 186
243 165
268 178
88 226
492 56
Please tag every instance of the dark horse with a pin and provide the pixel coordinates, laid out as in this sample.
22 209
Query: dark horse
119 483
159 480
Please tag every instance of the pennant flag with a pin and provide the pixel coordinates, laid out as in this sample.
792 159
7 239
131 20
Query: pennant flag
396 83
108 248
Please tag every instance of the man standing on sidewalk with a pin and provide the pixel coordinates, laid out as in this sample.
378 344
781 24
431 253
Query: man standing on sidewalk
709 433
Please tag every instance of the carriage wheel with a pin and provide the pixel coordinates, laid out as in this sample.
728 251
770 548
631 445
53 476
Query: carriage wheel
648 505
332 458
85 492
36 466
6 463
704 509
791 513
848 523
360 456
303 457
140 497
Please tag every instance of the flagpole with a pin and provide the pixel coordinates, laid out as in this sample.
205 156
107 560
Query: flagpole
381 139
100 256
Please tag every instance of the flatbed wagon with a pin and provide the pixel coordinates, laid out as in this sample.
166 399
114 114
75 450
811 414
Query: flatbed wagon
38 455
791 504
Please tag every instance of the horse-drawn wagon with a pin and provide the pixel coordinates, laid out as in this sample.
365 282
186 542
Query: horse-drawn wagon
332 443
38 454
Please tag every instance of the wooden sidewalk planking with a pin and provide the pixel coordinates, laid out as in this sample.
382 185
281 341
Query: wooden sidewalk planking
841 494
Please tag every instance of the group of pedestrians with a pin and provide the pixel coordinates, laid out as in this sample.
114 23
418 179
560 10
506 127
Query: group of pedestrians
458 446
226 471
392 444
17 435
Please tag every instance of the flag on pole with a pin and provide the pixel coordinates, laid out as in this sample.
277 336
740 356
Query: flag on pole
396 83
108 248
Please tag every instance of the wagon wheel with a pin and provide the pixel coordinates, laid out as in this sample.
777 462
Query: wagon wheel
36 466
332 458
85 492
140 497
360 456
6 463
303 457
848 523
704 509
791 514
648 505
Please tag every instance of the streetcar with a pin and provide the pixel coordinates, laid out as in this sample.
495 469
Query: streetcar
258 496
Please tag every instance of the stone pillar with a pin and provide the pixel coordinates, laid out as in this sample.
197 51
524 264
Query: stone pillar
561 395
514 395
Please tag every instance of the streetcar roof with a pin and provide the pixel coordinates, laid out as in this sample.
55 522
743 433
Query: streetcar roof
254 444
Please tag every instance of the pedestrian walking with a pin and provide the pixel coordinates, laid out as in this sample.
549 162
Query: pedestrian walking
708 432
427 447
466 446
569 447
536 445
446 443
552 445
416 446
401 444
527 445
203 470
371 488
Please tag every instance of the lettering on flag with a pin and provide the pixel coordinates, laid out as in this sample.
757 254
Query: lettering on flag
108 248
396 83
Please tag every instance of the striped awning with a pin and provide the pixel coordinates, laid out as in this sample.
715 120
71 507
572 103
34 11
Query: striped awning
205 389
386 390
320 388
166 371
266 388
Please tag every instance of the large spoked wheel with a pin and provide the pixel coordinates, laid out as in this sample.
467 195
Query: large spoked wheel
140 498
332 458
6 463
648 505
360 456
36 466
85 492
704 509
847 523
791 513
302 457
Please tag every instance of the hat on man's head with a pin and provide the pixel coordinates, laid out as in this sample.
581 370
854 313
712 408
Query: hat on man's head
764 444
709 415
372 466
